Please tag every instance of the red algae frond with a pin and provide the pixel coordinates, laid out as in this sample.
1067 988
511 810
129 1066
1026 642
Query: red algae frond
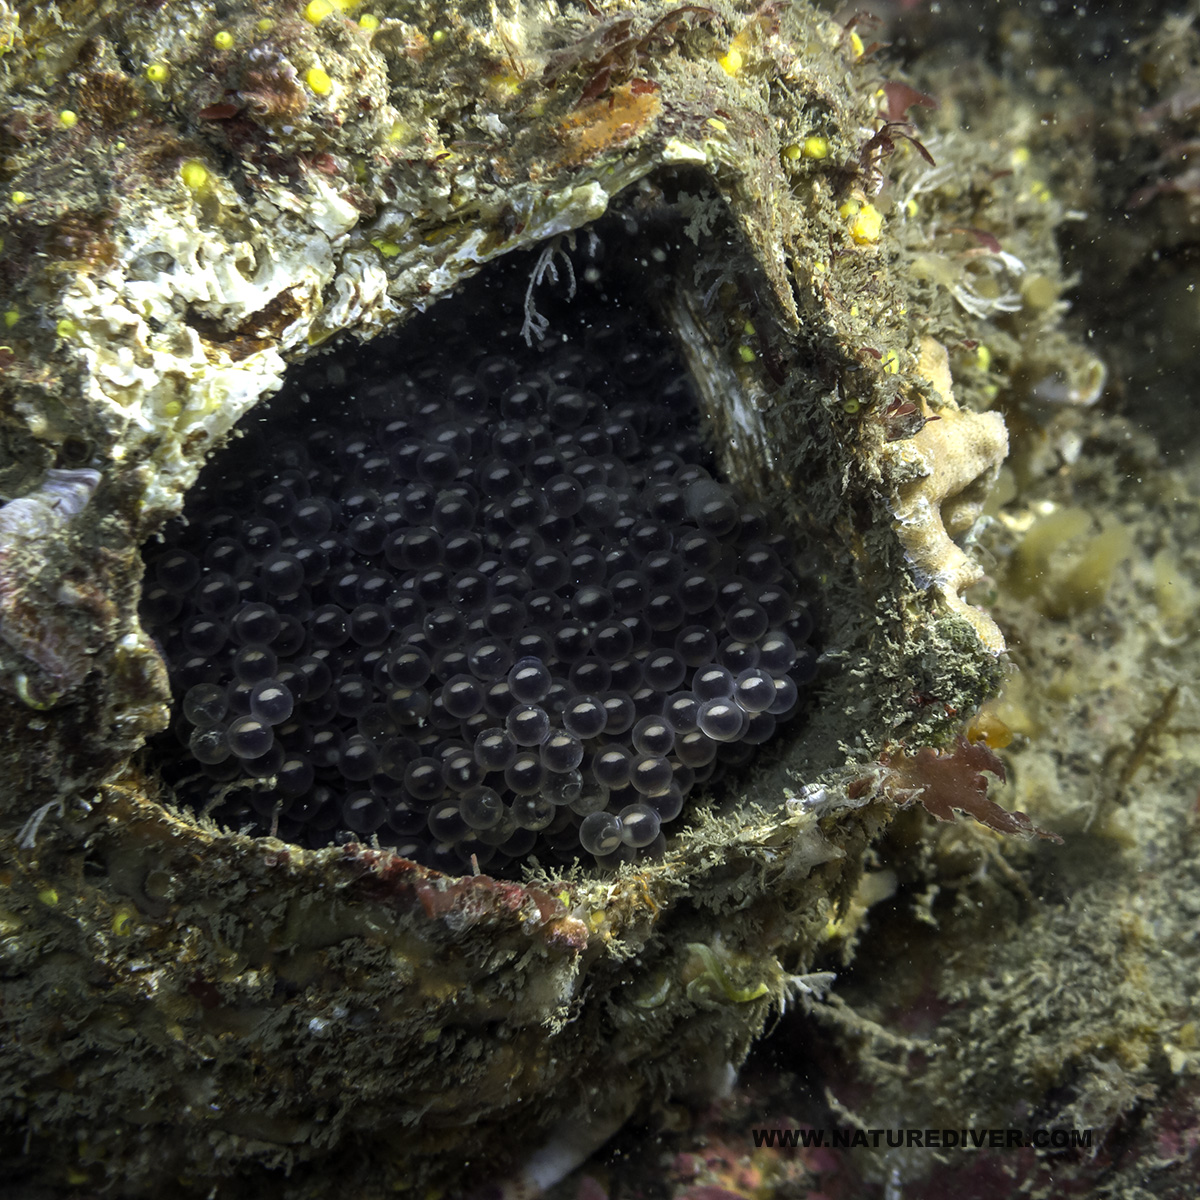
945 780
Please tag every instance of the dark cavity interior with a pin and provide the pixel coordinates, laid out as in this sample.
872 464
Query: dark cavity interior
476 600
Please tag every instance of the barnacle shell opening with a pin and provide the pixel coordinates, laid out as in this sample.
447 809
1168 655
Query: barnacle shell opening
402 591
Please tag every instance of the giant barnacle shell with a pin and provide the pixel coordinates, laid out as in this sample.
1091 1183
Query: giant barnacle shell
210 1006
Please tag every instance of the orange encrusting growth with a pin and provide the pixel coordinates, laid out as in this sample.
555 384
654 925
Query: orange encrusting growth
603 124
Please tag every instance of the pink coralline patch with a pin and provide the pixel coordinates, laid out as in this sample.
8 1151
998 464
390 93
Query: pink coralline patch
566 933
472 900
821 1160
590 1188
1178 1134
384 874
1170 1144
468 901
725 1171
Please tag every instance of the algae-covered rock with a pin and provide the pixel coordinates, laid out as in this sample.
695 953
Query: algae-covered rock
195 204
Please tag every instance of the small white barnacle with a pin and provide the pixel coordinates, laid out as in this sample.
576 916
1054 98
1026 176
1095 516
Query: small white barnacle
69 490
63 494
34 629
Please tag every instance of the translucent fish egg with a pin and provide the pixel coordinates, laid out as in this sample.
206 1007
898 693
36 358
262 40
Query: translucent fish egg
271 701
250 737
600 833
204 705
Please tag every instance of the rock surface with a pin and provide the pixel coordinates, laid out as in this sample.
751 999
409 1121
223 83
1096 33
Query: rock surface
192 206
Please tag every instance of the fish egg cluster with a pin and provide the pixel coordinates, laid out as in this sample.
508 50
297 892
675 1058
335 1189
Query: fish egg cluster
482 607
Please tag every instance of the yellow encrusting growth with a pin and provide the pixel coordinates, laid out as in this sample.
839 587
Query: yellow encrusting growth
317 10
158 72
731 61
223 40
67 119
194 175
815 147
11 317
866 225
368 22
986 726
19 197
318 81
66 328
